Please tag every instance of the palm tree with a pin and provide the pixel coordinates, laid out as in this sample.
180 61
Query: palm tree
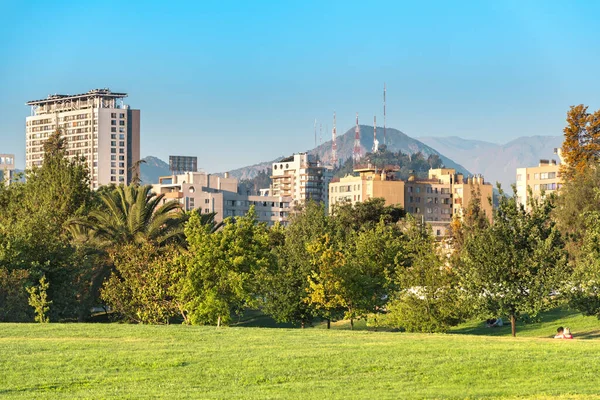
133 214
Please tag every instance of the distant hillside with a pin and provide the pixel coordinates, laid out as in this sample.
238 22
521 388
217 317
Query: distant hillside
497 162
152 169
396 141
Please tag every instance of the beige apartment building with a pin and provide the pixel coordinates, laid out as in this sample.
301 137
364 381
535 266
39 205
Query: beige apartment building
7 168
543 178
435 200
370 183
210 193
97 125
301 177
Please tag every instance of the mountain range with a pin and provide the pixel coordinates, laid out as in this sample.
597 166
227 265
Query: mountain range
497 162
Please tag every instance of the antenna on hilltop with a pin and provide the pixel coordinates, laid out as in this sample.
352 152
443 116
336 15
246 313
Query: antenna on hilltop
356 151
384 132
333 143
320 134
375 142
315 132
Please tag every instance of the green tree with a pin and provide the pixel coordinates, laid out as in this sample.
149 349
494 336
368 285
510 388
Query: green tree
284 284
222 268
428 298
144 285
33 220
38 299
512 267
134 214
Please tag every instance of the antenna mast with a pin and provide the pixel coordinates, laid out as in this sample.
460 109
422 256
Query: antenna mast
375 141
333 143
356 151
384 130
315 132
320 134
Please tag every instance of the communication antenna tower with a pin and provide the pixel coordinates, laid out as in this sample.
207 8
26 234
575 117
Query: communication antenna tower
333 143
375 141
356 152
384 129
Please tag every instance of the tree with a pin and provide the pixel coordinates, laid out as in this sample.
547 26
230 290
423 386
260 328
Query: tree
581 146
284 284
38 299
222 268
33 237
513 266
144 285
428 298
363 215
134 214
583 289
573 206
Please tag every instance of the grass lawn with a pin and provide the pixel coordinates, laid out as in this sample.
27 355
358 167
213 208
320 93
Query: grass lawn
134 361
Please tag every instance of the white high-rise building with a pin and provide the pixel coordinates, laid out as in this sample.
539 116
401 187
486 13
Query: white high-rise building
97 125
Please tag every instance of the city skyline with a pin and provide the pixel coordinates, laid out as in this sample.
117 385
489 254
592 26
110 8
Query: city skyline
244 74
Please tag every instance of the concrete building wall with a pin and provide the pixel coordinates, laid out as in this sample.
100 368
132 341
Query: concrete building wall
543 178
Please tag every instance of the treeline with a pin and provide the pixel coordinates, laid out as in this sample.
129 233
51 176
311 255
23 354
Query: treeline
65 250
417 163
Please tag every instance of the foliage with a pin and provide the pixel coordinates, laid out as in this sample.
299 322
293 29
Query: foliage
416 162
284 284
222 266
429 298
13 295
513 266
363 216
144 286
581 146
584 290
573 206
134 214
38 299
33 235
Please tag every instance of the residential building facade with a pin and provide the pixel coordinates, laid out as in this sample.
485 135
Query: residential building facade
545 178
370 183
7 167
301 177
211 193
97 125
435 200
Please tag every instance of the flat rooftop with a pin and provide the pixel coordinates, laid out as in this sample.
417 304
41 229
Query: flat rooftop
53 98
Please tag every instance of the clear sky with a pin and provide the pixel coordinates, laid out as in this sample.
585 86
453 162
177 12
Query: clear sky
235 83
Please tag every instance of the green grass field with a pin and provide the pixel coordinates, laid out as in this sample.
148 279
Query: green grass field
133 361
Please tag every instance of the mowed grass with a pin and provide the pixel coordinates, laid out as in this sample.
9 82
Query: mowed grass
96 361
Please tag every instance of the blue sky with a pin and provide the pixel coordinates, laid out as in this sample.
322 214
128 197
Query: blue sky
235 83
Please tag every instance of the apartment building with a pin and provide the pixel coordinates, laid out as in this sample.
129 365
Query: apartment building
435 199
370 183
97 125
301 177
210 193
443 195
7 167
543 178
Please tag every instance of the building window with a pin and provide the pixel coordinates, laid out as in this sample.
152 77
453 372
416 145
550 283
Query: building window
113 122
113 129
121 144
519 177
121 172
121 115
113 115
122 123
536 176
113 143
121 158
113 171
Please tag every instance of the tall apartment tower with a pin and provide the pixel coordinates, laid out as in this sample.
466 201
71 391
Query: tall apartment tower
301 177
97 125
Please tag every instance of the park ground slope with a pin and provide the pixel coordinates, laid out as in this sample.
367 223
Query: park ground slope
54 361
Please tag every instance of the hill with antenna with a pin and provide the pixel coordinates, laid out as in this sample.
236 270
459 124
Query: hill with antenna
395 139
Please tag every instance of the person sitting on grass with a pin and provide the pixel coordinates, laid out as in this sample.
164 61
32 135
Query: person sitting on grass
567 334
560 333
493 322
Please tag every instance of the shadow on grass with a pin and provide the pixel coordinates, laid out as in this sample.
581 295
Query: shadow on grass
543 326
